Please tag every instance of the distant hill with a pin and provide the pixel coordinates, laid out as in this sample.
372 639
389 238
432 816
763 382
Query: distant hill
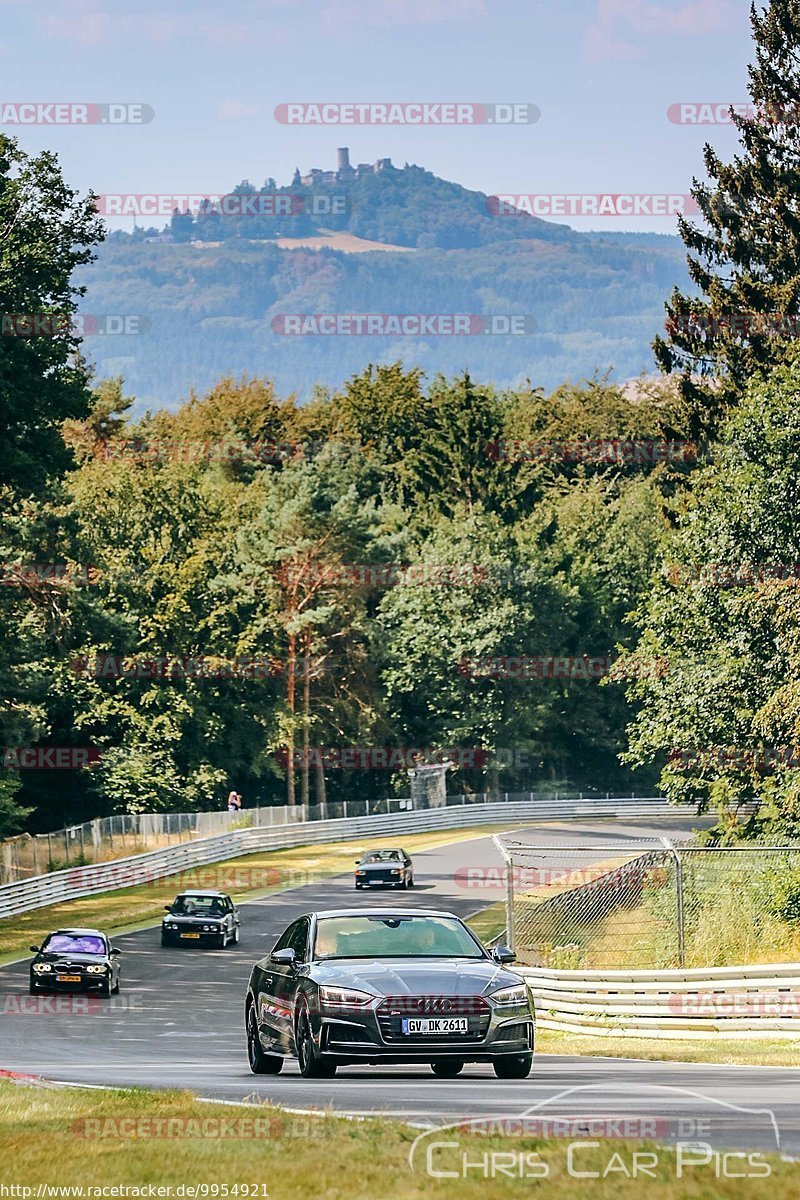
593 301
408 207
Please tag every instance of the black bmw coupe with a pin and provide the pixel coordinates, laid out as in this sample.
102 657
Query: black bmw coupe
387 986
75 960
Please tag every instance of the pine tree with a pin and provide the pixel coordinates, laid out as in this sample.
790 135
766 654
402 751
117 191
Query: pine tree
746 261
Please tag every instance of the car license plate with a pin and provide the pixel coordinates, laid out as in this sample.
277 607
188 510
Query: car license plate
68 978
435 1025
190 935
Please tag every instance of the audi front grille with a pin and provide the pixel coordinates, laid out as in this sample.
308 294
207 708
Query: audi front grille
393 1009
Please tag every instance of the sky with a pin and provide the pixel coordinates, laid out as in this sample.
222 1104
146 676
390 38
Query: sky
603 73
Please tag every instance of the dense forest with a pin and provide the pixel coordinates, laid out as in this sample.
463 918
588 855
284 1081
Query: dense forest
319 575
582 586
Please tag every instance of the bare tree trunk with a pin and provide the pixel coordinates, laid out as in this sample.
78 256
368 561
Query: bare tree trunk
291 665
306 720
322 799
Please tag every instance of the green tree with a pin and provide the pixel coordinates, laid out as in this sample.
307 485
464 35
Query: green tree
724 720
431 639
299 556
47 231
745 258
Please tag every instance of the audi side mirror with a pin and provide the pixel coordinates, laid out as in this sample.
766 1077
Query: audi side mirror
502 954
287 957
167 908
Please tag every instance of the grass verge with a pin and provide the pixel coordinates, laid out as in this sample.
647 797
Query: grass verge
89 1139
489 923
765 1053
247 877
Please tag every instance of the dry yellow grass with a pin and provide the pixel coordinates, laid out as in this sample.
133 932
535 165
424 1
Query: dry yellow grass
346 242
778 1053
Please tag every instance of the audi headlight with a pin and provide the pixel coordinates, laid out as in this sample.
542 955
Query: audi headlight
42 968
509 997
396 871
361 872
334 997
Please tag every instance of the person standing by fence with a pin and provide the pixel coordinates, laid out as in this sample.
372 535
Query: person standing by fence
234 802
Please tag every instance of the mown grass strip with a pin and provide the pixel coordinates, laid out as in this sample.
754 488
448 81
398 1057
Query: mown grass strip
134 1139
713 1049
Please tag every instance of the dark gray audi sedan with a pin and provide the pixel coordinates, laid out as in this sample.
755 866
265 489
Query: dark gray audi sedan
387 986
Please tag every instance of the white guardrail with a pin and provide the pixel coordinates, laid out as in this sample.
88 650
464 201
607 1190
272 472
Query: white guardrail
96 878
761 1001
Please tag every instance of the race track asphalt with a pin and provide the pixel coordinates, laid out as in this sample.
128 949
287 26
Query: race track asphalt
179 1023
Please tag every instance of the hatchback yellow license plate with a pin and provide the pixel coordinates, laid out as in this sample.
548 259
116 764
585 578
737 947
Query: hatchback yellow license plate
68 978
190 935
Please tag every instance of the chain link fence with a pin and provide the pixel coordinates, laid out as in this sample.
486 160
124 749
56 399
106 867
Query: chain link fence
651 904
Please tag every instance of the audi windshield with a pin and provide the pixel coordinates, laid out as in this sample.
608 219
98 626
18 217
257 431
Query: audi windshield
394 937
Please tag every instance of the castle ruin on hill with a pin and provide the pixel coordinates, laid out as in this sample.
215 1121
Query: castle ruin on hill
344 173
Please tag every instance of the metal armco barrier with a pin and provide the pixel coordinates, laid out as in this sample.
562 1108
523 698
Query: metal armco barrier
73 882
726 1002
